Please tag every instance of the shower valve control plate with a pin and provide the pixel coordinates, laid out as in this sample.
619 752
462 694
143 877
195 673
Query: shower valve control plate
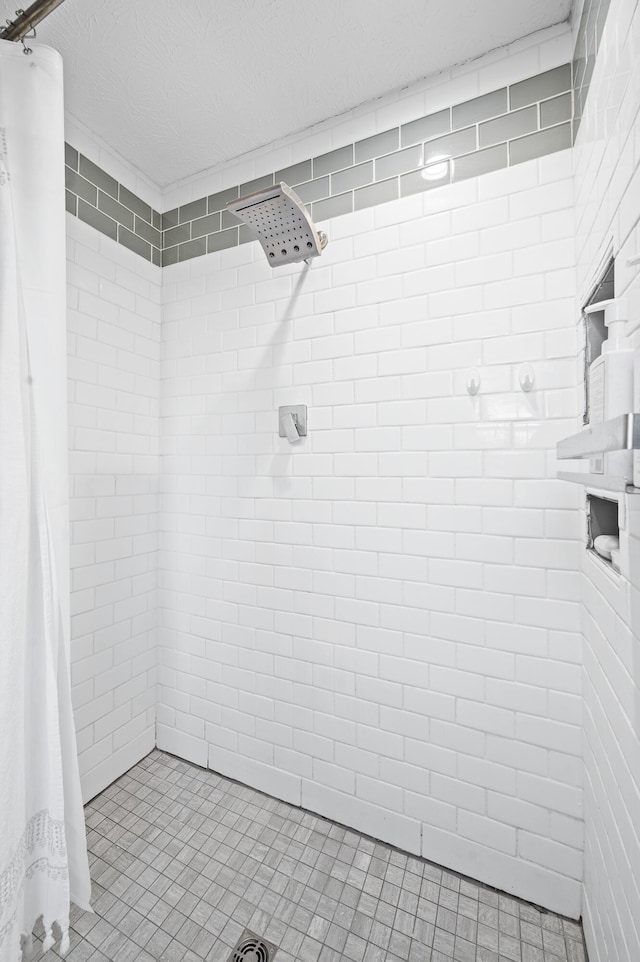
299 414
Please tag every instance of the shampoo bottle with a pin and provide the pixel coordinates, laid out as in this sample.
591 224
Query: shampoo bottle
617 357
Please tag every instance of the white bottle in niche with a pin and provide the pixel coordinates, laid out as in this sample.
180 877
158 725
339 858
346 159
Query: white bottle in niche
617 357
636 407
596 405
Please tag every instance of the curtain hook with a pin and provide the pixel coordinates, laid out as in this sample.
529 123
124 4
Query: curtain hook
30 36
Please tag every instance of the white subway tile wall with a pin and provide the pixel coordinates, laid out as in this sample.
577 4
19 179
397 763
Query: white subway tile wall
382 625
607 185
382 622
114 376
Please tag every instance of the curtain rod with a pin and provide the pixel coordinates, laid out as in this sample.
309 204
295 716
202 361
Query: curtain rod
26 20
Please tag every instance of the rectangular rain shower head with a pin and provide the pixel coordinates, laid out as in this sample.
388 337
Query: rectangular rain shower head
281 223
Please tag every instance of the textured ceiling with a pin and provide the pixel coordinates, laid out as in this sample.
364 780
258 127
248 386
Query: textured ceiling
177 87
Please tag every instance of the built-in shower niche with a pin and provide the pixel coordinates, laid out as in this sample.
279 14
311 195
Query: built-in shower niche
595 334
603 518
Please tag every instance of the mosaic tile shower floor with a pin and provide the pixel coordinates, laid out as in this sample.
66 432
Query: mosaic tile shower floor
183 860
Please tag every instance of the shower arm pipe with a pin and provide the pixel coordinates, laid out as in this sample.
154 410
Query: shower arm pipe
27 20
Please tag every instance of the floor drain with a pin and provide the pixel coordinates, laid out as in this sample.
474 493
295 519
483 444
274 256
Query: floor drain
251 948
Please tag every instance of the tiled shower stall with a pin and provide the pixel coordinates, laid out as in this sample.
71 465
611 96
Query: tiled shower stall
394 624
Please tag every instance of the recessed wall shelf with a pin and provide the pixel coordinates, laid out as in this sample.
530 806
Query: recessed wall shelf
605 482
618 434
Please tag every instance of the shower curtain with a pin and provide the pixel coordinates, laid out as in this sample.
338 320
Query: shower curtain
43 857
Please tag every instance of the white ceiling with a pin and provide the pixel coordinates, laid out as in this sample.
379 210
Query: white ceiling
176 87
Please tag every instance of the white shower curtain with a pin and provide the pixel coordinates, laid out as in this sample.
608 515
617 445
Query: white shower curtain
43 857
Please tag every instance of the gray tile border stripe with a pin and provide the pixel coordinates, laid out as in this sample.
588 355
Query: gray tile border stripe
220 200
376 146
334 160
433 125
296 174
315 189
119 212
555 111
590 30
96 175
352 177
197 208
480 108
480 162
527 119
543 142
541 87
515 124
375 194
90 215
98 199
399 162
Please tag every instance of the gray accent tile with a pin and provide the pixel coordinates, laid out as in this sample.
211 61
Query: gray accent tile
228 219
480 108
206 225
259 183
177 235
334 160
98 176
426 127
555 111
379 193
384 143
296 174
71 202
156 256
136 244
169 256
97 219
78 185
170 219
416 183
399 163
134 203
156 219
220 200
515 124
109 206
540 87
245 234
197 208
352 177
537 145
150 234
195 248
332 207
71 156
480 162
313 190
222 239
451 145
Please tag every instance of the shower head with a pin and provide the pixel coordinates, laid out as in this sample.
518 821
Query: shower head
283 226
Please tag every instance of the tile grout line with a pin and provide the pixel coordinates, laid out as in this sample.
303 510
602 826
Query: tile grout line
201 911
